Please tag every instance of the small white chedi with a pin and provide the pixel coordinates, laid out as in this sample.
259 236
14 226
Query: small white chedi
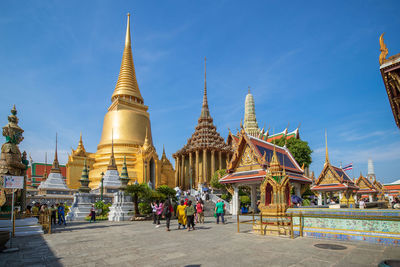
122 207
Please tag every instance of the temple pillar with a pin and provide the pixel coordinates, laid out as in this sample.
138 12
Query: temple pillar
183 173
177 171
235 200
355 198
204 178
212 163
370 198
220 160
319 199
297 189
197 167
253 197
190 170
340 196
324 198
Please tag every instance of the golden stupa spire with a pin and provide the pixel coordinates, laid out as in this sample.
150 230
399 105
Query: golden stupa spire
326 148
56 165
146 143
112 165
127 86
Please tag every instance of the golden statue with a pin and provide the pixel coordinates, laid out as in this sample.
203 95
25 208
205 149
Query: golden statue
384 50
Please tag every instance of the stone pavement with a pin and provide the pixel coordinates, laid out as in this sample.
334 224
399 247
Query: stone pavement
141 244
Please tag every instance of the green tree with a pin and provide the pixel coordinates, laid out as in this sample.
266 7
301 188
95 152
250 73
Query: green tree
215 180
138 191
298 148
167 191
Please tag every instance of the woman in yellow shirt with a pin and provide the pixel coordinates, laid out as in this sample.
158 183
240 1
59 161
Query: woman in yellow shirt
180 212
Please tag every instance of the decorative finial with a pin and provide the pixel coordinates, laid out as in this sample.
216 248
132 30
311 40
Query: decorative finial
326 148
248 89
128 32
14 110
55 168
383 49
112 165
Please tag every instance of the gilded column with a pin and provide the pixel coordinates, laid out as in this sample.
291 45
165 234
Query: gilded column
190 169
177 171
220 159
204 178
183 172
197 167
212 162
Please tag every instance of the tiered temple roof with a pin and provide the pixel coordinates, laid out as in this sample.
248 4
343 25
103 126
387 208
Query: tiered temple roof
263 152
390 71
333 178
366 186
205 135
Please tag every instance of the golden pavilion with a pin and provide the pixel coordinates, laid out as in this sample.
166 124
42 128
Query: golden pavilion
127 127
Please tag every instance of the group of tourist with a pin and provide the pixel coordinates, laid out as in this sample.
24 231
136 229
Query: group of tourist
188 213
56 211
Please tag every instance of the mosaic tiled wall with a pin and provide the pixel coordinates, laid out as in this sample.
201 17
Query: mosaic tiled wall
360 225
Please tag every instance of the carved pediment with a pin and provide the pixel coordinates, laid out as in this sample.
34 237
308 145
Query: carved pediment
329 178
248 158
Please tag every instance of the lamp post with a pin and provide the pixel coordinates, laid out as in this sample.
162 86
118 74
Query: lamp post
101 189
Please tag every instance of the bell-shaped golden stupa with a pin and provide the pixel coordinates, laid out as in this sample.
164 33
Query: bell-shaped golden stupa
127 123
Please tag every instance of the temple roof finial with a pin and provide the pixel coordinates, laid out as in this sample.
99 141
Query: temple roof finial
326 148
205 112
248 89
56 165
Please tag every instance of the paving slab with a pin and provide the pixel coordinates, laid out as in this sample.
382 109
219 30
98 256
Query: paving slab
142 244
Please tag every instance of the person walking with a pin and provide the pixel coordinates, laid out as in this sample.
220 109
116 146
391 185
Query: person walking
92 214
159 211
167 212
154 210
61 214
189 212
180 212
200 211
53 212
219 210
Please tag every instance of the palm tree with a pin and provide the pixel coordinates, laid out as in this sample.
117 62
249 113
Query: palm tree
137 191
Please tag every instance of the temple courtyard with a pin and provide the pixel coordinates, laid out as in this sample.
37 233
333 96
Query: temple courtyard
141 244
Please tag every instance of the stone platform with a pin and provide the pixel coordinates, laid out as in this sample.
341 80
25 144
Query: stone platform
141 244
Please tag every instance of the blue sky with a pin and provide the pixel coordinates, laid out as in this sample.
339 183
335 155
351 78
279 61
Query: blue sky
308 62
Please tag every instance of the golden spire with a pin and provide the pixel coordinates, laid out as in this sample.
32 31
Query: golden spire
146 143
112 165
383 49
326 148
205 112
274 164
127 85
56 165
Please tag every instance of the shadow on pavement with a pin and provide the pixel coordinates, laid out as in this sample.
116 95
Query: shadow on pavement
33 250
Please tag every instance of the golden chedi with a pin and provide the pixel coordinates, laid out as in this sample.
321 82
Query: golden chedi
127 122
76 162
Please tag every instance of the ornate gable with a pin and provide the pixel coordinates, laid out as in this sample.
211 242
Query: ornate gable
245 157
328 176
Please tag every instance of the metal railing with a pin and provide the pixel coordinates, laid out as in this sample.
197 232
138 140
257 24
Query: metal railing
287 220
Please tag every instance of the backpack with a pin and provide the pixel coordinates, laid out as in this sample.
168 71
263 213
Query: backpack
167 210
